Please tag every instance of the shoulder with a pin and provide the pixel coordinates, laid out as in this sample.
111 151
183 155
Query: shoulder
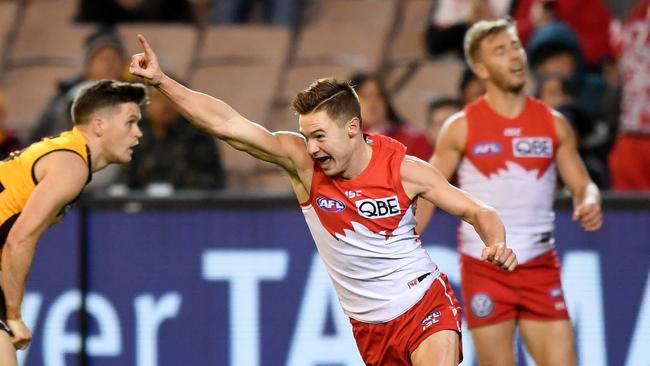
562 126
296 148
418 176
454 130
414 169
62 163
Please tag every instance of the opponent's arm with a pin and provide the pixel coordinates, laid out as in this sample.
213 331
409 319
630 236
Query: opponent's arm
421 179
449 151
219 119
62 175
586 195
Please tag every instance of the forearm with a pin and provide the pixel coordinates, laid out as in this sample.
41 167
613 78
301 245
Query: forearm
208 113
16 260
488 225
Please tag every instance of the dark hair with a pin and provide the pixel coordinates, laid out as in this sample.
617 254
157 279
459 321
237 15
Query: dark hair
467 77
105 93
336 97
567 84
548 50
358 79
103 37
442 102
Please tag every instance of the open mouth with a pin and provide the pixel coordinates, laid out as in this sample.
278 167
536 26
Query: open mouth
323 160
517 70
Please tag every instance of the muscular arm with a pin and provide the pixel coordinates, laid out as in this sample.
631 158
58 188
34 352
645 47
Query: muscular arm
449 151
62 175
586 196
421 179
285 149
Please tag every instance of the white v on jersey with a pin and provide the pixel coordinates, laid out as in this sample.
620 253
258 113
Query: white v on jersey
509 165
364 232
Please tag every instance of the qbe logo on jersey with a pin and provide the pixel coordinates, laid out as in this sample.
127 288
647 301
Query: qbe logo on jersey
378 208
532 147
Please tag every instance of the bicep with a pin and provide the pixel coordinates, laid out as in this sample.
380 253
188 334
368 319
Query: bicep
279 148
422 179
451 199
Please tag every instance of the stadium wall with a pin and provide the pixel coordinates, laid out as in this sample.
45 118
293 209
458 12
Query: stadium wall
199 279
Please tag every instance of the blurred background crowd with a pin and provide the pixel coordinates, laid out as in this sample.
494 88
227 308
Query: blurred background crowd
589 59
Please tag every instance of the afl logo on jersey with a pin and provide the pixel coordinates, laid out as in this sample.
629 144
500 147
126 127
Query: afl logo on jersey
487 148
330 204
532 147
378 208
482 305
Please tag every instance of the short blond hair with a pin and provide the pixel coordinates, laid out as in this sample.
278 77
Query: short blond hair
481 30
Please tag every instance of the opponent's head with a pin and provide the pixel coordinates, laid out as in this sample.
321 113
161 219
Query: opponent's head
110 111
494 52
330 120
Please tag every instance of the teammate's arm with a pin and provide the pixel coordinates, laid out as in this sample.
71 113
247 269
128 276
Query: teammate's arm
219 119
61 175
449 151
421 179
586 195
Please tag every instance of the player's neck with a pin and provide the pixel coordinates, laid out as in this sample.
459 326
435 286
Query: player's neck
359 160
504 103
97 159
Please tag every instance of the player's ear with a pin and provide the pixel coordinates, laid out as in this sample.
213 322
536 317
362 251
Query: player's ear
480 70
354 127
98 126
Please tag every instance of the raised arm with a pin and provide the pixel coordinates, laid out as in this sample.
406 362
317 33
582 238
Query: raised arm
449 151
421 179
586 195
286 149
62 176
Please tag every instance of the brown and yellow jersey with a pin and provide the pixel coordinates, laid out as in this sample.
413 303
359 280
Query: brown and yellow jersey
18 180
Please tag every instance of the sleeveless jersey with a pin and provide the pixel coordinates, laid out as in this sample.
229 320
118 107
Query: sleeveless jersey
509 164
364 229
18 180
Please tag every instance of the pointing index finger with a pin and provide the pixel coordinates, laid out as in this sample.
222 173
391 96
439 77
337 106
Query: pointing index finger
145 45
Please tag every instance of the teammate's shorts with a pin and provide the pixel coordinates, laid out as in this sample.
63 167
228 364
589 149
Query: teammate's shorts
392 343
3 313
532 291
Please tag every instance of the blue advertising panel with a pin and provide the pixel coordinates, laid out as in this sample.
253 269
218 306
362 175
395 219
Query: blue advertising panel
246 288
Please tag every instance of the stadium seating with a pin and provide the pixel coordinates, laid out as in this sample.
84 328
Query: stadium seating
175 44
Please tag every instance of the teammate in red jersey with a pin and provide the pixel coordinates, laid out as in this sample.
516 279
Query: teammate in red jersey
357 193
505 148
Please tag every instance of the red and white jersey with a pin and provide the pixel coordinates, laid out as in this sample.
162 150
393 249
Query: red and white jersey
364 229
509 164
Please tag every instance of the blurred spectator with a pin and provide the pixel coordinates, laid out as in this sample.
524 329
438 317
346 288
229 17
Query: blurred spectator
116 11
554 49
629 161
8 140
379 116
593 136
589 19
440 109
172 152
450 19
470 86
104 59
276 12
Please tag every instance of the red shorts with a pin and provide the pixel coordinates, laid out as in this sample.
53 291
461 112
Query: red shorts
391 343
532 291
